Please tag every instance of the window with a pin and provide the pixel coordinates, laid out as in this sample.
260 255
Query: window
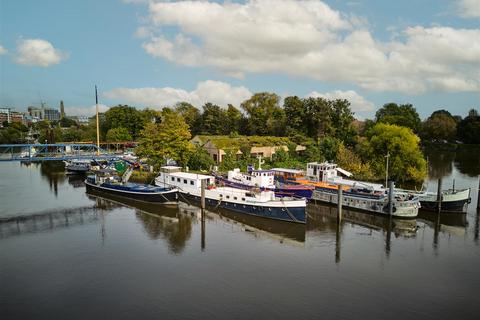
173 179
228 197
243 199
178 179
185 181
234 198
191 182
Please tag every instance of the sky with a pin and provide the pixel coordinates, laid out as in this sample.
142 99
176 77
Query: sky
156 53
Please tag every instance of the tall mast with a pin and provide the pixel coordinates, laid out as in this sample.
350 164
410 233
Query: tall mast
98 131
386 171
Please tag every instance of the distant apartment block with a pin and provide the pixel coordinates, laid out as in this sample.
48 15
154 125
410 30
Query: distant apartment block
9 116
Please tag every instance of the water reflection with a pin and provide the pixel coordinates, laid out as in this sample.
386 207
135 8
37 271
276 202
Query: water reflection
439 164
159 221
49 220
467 160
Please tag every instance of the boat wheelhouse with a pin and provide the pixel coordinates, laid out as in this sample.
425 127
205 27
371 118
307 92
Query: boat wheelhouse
78 166
263 180
254 202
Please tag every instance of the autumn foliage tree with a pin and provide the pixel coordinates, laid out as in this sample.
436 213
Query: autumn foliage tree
167 140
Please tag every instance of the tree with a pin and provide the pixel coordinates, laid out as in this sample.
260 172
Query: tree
264 115
127 117
469 128
440 125
234 119
329 148
71 135
213 120
295 113
347 159
402 115
342 121
67 122
406 162
166 140
318 117
200 159
191 115
118 134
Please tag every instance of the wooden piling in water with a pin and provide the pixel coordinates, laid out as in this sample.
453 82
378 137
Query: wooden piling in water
439 195
340 201
478 195
390 197
202 200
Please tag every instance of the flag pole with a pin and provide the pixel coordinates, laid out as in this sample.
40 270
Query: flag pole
98 131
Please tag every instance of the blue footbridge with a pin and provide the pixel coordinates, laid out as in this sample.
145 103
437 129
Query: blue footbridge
51 152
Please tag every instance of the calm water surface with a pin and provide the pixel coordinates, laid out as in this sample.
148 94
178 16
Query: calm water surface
68 255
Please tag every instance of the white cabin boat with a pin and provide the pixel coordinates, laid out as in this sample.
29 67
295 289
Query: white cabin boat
257 203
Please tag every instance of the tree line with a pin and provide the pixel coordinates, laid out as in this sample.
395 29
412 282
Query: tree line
326 127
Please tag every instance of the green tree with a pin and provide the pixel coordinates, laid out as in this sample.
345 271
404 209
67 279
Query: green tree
200 160
234 119
166 140
440 125
264 115
342 122
469 128
72 135
402 115
295 113
318 117
126 117
118 134
213 120
406 162
191 115
66 122
229 161
329 148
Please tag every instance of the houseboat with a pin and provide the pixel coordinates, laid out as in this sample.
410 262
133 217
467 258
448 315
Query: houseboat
265 181
107 182
253 202
359 195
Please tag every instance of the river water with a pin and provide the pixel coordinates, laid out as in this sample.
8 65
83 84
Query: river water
68 255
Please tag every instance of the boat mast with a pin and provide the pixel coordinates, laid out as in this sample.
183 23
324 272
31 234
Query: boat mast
98 134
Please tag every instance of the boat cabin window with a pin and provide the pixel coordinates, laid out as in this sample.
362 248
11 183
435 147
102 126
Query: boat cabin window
243 199
234 198
191 182
228 197
173 179
248 194
178 179
185 181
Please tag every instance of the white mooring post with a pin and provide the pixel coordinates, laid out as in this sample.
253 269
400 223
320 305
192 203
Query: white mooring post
478 195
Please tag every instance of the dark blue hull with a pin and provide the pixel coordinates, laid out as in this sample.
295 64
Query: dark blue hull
290 191
168 196
450 206
295 214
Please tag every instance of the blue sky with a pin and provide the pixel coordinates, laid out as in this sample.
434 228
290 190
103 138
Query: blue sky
147 53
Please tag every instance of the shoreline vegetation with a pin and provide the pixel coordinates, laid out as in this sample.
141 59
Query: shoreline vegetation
326 129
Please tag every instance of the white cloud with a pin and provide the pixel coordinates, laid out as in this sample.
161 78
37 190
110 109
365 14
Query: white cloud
357 102
469 8
217 92
38 52
2 50
309 39
85 111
